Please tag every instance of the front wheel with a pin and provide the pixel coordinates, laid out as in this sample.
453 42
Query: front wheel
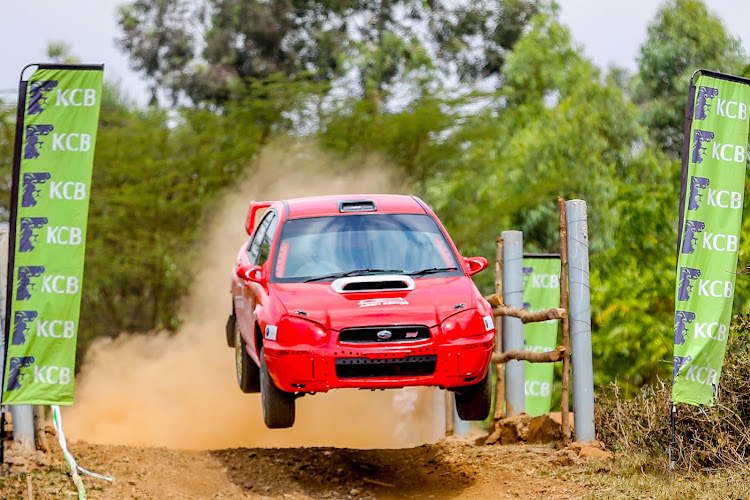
473 401
248 376
278 405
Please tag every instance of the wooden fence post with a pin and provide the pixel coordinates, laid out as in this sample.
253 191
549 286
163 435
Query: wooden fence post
565 398
499 368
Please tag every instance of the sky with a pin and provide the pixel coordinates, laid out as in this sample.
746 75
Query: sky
609 31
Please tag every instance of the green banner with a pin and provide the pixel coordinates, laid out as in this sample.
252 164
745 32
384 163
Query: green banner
541 290
714 164
52 173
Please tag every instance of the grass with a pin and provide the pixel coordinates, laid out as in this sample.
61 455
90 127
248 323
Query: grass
646 476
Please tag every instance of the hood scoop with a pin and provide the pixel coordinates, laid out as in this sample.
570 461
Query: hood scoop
376 283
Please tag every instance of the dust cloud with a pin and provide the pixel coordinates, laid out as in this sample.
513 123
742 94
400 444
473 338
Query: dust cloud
180 390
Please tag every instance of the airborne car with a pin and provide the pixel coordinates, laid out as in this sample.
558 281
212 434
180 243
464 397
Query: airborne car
364 291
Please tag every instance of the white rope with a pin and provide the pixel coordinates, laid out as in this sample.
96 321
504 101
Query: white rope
57 420
94 474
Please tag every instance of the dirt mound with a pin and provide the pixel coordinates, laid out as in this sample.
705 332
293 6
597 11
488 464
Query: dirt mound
542 429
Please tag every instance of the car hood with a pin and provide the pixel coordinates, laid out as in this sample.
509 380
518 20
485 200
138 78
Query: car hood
430 302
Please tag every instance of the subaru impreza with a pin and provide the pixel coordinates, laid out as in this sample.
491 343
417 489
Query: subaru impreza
364 291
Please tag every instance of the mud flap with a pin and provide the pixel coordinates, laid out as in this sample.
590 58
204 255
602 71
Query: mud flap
231 321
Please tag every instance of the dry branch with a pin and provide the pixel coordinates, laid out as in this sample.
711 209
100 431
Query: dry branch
40 432
496 299
529 317
530 356
565 408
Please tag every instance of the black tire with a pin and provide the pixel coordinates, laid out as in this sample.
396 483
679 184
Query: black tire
248 375
231 322
473 401
278 406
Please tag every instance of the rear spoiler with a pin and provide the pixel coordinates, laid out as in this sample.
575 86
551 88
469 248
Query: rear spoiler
254 207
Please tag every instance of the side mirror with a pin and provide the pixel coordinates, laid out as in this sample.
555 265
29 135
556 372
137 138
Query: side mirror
252 273
476 264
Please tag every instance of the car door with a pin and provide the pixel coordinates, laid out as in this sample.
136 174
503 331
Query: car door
251 293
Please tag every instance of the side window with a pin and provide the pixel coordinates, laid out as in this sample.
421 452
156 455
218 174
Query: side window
254 247
265 244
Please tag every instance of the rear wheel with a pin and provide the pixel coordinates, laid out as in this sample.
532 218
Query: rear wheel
278 405
473 401
248 375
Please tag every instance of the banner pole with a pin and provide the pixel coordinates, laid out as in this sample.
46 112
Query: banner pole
684 165
673 442
16 175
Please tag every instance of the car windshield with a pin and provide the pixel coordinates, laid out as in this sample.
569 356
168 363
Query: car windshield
326 248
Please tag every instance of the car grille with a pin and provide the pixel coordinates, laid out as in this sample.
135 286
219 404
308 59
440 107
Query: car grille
375 368
369 334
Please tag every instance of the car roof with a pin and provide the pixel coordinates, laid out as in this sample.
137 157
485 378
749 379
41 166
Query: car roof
319 206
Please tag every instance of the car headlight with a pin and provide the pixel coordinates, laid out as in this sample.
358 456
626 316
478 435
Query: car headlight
464 324
293 331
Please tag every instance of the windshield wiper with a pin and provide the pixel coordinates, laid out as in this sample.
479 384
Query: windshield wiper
431 270
354 272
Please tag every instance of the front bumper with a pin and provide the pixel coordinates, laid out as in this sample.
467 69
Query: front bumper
433 362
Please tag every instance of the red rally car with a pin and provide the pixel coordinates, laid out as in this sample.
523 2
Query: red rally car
364 291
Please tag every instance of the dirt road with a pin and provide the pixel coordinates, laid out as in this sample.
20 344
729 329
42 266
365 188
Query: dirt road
452 468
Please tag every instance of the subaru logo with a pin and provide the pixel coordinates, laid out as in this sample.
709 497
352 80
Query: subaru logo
384 335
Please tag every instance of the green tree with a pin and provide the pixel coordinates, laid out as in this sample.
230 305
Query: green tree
555 129
156 176
363 49
684 37
61 52
158 37
477 36
410 138
633 280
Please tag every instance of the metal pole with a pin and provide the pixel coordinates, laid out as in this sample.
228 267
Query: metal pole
673 442
23 415
460 427
580 320
565 393
448 413
515 398
23 426
499 368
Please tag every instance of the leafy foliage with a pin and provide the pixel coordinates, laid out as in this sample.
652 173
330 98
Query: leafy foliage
477 37
209 50
7 139
685 36
156 175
